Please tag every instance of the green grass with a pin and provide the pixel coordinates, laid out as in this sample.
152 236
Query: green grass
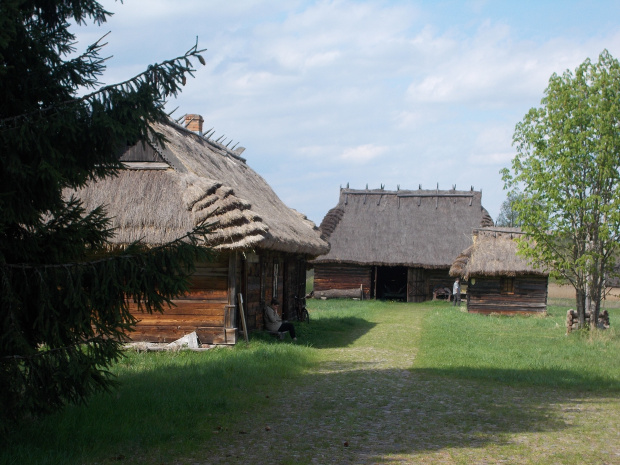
170 404
161 405
519 350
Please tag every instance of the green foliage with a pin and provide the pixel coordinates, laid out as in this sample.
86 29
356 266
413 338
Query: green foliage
567 170
508 217
64 291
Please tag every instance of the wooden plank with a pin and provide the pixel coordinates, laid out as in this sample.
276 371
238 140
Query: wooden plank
209 283
206 335
206 294
186 307
243 321
183 320
217 335
200 304
156 333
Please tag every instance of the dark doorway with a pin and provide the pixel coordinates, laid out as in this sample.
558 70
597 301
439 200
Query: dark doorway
392 283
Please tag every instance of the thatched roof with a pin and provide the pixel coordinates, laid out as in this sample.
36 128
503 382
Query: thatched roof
493 253
166 191
416 228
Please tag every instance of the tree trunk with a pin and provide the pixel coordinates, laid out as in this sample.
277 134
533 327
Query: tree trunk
597 294
581 308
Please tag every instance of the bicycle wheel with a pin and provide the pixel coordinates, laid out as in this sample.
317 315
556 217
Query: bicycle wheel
305 316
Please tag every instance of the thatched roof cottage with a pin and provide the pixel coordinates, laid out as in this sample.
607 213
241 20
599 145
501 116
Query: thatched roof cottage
262 244
396 244
498 279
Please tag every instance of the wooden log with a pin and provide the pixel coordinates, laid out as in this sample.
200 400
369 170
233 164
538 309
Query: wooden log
339 294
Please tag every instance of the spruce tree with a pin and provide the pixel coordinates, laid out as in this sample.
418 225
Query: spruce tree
64 291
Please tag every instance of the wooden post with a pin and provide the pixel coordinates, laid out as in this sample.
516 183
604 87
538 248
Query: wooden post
242 313
376 274
232 287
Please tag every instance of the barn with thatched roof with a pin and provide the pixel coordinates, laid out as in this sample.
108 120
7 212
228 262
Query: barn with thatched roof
262 245
498 279
395 244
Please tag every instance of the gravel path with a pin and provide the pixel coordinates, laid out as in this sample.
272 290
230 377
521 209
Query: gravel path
364 405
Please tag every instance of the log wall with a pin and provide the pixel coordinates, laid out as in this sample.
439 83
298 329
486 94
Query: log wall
486 295
346 277
204 309
211 306
328 276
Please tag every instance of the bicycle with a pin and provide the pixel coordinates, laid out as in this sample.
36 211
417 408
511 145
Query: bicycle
302 311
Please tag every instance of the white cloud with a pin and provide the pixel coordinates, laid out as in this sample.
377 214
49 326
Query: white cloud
329 87
362 153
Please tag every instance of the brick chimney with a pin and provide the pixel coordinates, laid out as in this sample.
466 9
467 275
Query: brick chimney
194 123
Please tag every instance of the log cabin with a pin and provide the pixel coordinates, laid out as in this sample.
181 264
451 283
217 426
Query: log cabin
262 246
498 279
395 245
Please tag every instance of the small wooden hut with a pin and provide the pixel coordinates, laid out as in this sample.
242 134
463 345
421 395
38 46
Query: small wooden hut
395 245
263 245
499 280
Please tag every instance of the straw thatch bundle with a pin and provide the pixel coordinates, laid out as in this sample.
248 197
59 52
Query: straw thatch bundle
415 228
494 253
198 180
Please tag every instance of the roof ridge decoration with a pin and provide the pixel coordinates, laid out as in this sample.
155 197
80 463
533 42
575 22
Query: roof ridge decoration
206 136
419 194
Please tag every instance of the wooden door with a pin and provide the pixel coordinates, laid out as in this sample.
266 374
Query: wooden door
416 291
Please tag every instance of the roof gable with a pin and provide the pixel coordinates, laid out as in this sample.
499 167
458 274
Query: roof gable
202 182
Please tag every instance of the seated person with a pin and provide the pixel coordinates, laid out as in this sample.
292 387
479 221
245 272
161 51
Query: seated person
273 322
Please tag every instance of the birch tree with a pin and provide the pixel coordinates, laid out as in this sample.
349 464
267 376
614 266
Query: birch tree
567 168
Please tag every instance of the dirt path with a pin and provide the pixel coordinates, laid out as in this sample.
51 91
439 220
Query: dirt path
364 405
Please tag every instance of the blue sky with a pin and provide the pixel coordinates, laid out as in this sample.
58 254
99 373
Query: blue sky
393 93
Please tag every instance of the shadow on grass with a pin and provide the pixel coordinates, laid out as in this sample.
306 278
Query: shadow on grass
167 404
353 413
384 412
218 411
324 333
548 378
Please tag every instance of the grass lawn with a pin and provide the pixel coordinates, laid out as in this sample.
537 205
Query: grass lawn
368 382
520 351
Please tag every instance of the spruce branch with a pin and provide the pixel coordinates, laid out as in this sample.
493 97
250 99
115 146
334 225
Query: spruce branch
165 79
